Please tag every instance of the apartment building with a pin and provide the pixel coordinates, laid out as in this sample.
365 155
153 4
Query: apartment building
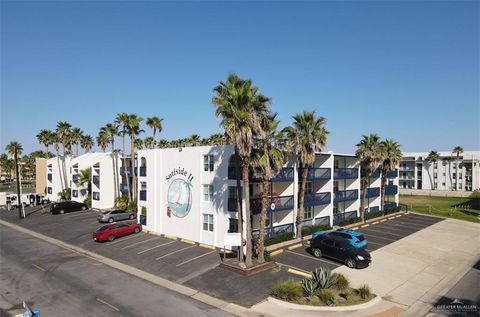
58 176
191 193
448 173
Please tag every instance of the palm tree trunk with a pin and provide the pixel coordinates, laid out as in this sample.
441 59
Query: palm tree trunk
301 199
60 170
364 186
134 176
382 191
239 205
263 218
64 164
115 182
46 153
127 177
456 172
19 199
248 222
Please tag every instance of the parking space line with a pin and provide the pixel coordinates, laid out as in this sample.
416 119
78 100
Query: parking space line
140 242
158 246
295 246
297 272
383 220
124 239
414 225
393 234
312 257
374 223
82 213
273 253
39 267
371 235
174 252
422 221
107 304
195 258
89 219
370 242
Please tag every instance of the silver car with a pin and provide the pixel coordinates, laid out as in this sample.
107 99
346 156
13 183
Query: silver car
115 215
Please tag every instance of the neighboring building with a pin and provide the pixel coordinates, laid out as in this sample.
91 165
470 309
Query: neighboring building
103 184
191 193
80 163
58 176
445 174
40 175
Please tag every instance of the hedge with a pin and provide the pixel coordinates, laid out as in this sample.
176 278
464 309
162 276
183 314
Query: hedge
280 238
369 216
309 230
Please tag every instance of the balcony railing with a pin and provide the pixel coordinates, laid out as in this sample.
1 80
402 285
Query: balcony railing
319 173
392 174
346 173
391 190
389 205
143 171
274 231
125 171
346 195
124 188
285 175
143 195
317 199
376 173
232 204
277 203
339 216
373 192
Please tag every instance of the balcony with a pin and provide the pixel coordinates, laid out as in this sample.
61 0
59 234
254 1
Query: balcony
407 168
345 195
75 178
125 171
373 192
389 205
285 175
277 203
274 231
317 199
346 173
96 180
232 204
391 190
49 177
143 171
143 195
392 174
124 188
319 173
376 173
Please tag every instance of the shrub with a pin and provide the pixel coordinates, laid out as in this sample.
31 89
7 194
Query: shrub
65 194
309 230
364 291
309 287
122 202
349 221
280 238
288 290
267 256
341 281
327 296
323 278
132 206
88 201
347 294
144 211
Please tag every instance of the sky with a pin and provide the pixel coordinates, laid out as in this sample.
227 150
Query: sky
404 70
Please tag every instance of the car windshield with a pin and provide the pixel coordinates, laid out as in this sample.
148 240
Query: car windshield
103 228
360 237
106 212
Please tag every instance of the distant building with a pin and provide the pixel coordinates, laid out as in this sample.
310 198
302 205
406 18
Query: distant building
40 175
445 174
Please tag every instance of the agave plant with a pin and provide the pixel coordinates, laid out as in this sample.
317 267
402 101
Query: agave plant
309 287
323 278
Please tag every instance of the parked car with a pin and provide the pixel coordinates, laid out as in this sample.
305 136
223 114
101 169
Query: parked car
111 231
339 249
67 206
355 238
115 215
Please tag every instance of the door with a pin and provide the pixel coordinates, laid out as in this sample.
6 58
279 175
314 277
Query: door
340 250
327 247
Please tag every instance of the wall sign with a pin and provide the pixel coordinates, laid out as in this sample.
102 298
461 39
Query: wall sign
179 194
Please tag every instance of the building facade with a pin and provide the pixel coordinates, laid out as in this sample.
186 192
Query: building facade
191 193
448 173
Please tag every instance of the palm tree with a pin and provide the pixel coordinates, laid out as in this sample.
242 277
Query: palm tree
86 142
122 120
103 140
369 153
268 157
111 130
150 142
138 144
390 158
217 139
76 137
5 165
457 150
133 128
155 123
240 104
15 149
306 136
63 134
56 145
163 143
194 140
85 178
432 157
45 137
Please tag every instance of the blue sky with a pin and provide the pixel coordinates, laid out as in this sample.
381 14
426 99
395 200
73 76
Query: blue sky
405 70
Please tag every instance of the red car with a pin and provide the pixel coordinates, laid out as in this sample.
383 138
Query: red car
115 230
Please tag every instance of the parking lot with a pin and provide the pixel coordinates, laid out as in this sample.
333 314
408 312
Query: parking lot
378 234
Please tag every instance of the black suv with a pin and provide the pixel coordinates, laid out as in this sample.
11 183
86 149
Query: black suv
341 250
67 206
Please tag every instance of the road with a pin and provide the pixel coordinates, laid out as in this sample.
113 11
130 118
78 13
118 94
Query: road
62 283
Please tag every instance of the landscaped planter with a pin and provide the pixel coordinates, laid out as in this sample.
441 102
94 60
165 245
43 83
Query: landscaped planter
288 305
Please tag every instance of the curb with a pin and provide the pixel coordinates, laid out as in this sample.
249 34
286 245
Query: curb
160 281
284 304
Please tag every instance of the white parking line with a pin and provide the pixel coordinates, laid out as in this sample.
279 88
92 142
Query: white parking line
408 224
371 235
379 231
195 258
305 273
158 246
140 242
370 242
171 253
312 257
125 239
107 304
81 213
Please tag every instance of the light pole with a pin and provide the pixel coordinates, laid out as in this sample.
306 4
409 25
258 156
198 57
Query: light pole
20 182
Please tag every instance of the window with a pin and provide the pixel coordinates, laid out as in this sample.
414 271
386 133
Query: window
143 185
435 175
143 167
443 184
49 190
443 174
459 175
335 208
96 196
208 163
460 186
232 225
74 193
436 185
232 192
207 222
49 177
308 213
308 188
454 175
207 192
335 164
143 191
444 162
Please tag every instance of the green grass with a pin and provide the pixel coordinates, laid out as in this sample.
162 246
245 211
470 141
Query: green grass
467 208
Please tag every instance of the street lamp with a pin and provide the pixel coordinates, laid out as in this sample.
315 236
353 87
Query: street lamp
20 182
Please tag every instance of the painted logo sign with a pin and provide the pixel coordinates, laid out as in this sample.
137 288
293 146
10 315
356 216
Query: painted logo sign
179 194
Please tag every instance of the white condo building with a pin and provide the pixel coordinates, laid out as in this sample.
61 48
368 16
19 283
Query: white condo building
191 193
445 174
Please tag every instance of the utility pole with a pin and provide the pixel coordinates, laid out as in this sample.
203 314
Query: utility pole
19 189
21 192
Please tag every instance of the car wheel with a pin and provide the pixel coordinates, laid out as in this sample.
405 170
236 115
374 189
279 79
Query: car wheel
137 230
317 252
131 217
111 237
62 211
110 220
350 263
84 208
